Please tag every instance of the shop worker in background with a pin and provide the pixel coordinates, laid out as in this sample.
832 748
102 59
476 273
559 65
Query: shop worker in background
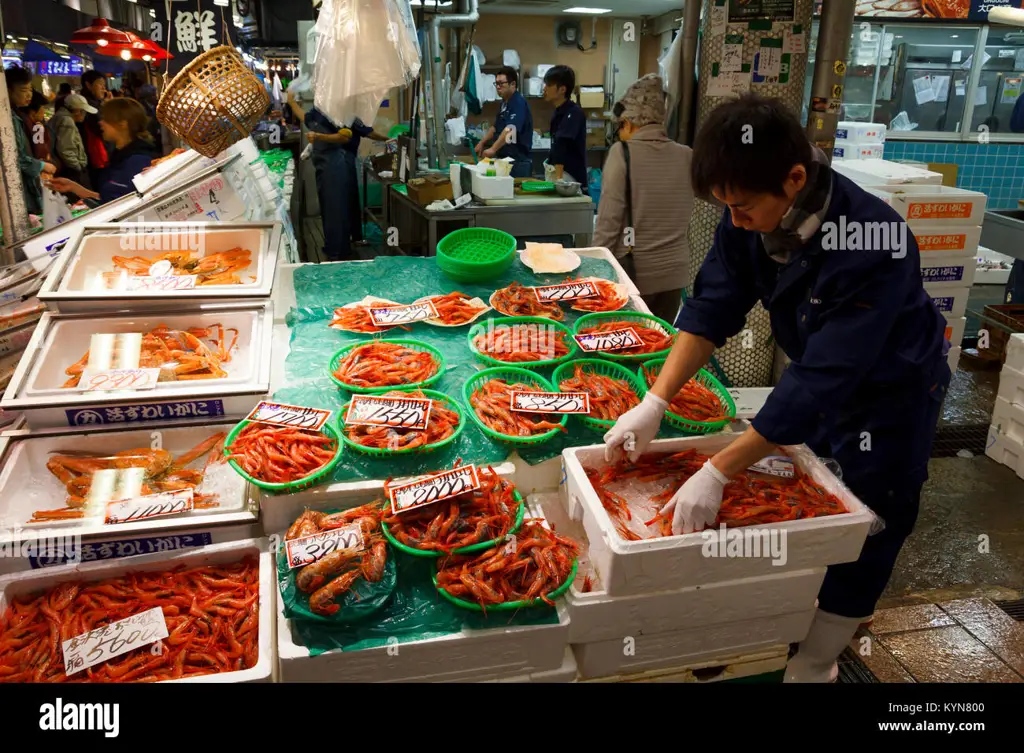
568 127
868 369
513 118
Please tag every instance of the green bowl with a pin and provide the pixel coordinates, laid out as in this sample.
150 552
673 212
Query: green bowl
509 374
606 368
708 380
509 605
627 317
381 453
475 254
478 547
291 486
336 359
482 327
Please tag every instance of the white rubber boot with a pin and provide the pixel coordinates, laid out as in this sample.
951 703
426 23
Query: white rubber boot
815 660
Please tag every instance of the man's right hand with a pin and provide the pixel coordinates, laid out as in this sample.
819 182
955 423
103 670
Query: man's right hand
635 429
479 148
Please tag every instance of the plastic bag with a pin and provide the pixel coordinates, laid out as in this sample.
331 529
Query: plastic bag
55 209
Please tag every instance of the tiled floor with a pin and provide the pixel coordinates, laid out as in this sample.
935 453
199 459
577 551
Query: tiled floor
958 640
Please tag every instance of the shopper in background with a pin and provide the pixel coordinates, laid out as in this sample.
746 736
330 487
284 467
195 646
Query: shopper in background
513 117
568 127
868 369
19 92
68 144
94 89
34 115
644 221
147 97
124 124
62 94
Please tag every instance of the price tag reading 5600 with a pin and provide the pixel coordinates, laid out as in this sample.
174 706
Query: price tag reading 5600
293 416
435 488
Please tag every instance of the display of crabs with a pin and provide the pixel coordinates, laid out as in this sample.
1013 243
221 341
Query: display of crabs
218 268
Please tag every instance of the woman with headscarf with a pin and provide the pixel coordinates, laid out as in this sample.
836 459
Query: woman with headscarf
646 199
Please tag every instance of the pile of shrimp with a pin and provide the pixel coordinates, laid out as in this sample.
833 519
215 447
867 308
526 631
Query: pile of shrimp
694 401
654 340
517 300
441 424
609 397
522 342
385 364
281 454
492 402
454 308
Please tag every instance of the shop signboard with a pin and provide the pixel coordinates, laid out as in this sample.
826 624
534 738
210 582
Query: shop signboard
938 10
194 27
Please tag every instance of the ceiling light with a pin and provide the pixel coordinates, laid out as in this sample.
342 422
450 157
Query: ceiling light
147 58
102 42
126 54
587 10
954 36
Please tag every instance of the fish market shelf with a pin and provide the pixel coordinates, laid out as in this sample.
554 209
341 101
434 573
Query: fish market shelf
12 586
85 277
674 562
60 340
732 668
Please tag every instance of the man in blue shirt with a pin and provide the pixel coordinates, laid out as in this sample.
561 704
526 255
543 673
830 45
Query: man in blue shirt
568 127
514 126
868 369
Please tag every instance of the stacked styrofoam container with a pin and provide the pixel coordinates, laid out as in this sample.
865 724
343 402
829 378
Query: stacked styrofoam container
946 222
1006 434
666 602
856 141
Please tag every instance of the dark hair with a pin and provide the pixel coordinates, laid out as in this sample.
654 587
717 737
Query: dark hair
65 88
131 111
17 76
510 74
750 144
90 76
38 100
562 75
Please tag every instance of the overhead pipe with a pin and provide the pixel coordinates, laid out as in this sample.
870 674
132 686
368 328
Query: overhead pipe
688 71
470 15
833 49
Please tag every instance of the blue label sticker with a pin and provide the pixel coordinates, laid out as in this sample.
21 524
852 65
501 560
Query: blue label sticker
108 550
942 274
944 304
122 414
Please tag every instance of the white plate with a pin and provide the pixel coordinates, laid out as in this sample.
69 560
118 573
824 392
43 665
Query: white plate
541 315
484 308
548 260
363 303
621 289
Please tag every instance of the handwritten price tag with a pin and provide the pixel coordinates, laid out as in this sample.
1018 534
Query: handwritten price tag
309 549
551 402
99 645
569 291
619 339
434 488
417 312
774 465
404 412
118 379
161 283
149 506
295 416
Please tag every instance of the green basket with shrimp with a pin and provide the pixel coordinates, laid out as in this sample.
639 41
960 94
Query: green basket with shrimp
509 605
482 328
512 375
603 368
705 378
628 318
434 395
471 548
330 432
437 355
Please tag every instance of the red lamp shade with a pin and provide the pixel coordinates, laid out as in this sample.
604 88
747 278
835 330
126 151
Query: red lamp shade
137 49
100 32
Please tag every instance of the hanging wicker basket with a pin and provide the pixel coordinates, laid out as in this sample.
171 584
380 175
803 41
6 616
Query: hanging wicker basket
213 102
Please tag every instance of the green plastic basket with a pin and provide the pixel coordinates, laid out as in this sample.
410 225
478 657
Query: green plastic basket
606 368
509 374
707 379
336 359
380 453
509 605
481 328
291 486
475 254
478 547
537 186
627 317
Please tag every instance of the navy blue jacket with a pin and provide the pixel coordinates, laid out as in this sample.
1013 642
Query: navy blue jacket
865 340
515 112
569 141
124 165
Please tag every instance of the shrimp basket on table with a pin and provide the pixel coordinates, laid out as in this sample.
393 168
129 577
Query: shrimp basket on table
445 424
283 459
702 406
529 342
657 335
613 389
488 395
384 365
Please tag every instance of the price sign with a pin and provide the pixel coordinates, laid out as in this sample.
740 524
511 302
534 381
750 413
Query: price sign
157 505
403 412
551 402
107 380
416 312
161 283
309 549
774 465
434 488
618 339
295 416
569 291
97 646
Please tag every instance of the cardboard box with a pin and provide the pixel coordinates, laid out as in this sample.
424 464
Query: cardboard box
938 203
430 188
948 170
592 96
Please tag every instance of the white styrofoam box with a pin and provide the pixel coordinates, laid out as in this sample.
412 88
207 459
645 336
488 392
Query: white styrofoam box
493 186
955 330
942 236
564 674
16 584
1005 451
944 270
1011 384
675 562
864 151
716 669
842 154
881 172
858 132
953 358
1008 419
942 203
951 302
650 651
1015 352
176 168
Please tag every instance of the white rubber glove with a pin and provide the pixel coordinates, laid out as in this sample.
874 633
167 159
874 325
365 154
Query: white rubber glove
695 506
635 428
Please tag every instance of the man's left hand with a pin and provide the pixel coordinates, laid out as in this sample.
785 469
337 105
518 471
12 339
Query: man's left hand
695 506
490 152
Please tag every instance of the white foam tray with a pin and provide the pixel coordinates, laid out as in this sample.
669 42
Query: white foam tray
951 302
27 582
1005 451
1008 418
1011 385
944 270
675 562
1015 352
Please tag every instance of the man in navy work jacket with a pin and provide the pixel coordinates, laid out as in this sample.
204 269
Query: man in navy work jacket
568 127
514 126
868 369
